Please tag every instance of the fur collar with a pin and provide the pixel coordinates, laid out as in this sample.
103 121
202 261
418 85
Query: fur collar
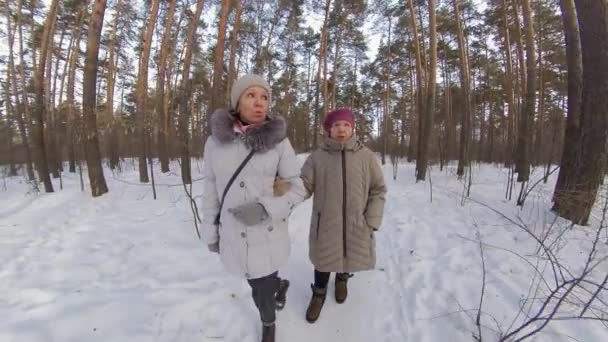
260 139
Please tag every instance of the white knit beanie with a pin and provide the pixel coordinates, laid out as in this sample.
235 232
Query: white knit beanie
244 83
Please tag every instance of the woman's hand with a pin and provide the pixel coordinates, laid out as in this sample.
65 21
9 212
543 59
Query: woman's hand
280 186
214 247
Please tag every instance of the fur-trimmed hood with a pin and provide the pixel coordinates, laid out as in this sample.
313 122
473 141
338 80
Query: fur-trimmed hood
260 139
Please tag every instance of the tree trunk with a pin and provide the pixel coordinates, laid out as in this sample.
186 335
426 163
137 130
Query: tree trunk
142 93
387 94
563 198
490 153
64 72
334 76
414 114
73 125
234 45
172 139
430 104
521 67
465 130
184 94
217 100
160 89
56 73
18 112
93 157
511 112
25 99
55 137
7 131
449 133
589 173
39 106
419 85
530 99
541 101
322 56
49 117
112 141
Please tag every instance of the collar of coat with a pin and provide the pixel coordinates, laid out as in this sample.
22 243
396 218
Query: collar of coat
352 144
261 138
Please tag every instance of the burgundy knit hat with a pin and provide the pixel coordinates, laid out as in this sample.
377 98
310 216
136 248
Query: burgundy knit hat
336 115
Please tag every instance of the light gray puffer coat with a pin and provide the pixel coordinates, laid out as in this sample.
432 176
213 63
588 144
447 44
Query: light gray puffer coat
349 194
249 251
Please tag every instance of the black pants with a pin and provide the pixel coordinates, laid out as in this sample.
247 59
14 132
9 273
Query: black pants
322 279
263 291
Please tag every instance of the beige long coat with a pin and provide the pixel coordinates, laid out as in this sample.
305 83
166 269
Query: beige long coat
349 194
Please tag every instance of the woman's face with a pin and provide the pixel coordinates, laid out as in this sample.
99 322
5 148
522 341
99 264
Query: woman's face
341 131
253 105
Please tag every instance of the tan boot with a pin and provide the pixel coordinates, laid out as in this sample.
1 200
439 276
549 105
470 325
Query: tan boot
316 304
342 287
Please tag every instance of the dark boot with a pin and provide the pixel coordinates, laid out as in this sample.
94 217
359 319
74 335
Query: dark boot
268 331
316 303
342 286
281 296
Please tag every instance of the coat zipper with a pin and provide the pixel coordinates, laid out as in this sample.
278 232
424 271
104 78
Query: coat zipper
344 202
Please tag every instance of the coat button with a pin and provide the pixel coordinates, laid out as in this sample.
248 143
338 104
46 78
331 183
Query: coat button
243 235
242 184
246 275
270 228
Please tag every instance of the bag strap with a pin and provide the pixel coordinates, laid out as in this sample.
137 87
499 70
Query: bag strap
229 184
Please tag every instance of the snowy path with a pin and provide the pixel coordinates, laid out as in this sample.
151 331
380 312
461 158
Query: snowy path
126 268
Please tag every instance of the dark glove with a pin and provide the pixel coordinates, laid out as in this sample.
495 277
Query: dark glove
214 247
249 214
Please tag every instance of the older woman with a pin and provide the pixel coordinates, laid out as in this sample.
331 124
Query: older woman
243 221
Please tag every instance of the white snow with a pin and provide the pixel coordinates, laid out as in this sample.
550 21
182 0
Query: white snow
125 267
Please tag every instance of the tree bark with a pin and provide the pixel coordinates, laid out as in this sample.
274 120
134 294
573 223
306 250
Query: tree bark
322 56
334 76
234 45
419 84
55 155
593 24
387 94
562 197
530 99
74 127
465 130
430 104
111 129
539 144
412 150
217 98
93 157
142 93
38 140
521 67
20 105
160 90
49 118
184 94
511 112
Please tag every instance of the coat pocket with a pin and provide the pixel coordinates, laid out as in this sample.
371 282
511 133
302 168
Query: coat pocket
318 225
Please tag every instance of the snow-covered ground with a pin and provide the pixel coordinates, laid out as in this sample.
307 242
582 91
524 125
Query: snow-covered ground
125 267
